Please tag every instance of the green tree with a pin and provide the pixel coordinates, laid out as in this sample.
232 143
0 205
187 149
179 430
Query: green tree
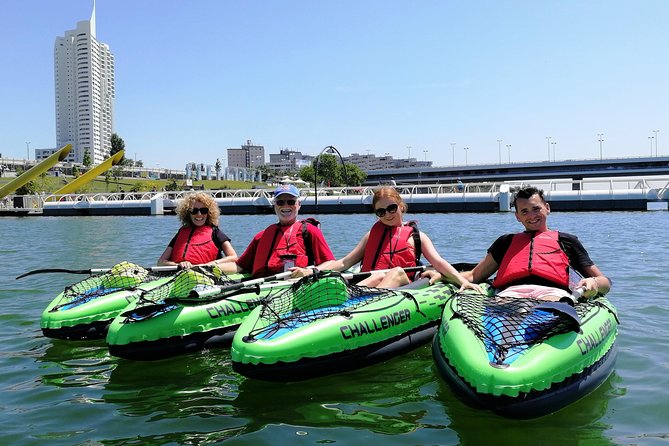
328 171
332 173
172 185
75 171
117 173
307 174
117 144
87 159
355 175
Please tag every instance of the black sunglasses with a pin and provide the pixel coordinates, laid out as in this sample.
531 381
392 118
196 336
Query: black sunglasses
282 202
380 212
203 211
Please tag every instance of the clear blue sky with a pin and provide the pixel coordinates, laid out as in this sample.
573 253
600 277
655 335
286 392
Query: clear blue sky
196 77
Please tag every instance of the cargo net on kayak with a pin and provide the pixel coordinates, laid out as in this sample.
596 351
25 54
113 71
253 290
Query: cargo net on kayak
509 326
122 276
316 297
197 278
161 299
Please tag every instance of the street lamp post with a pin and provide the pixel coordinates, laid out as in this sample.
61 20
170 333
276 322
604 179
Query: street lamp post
425 155
554 144
499 149
466 149
656 132
548 138
27 150
601 157
453 151
387 161
508 146
650 138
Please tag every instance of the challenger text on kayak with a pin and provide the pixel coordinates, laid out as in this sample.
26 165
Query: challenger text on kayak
350 331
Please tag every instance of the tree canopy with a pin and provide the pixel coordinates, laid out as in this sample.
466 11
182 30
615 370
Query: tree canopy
87 159
117 144
332 173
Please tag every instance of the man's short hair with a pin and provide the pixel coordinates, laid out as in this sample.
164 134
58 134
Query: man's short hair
527 192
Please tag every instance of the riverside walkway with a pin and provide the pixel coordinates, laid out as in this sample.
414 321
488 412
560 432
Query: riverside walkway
623 194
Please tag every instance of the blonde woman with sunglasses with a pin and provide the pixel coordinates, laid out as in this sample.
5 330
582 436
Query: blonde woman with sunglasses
199 241
393 244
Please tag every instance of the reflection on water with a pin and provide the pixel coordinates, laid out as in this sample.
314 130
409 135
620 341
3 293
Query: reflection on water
207 387
76 364
376 398
201 384
582 419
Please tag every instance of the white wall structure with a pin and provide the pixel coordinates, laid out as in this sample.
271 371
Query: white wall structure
85 90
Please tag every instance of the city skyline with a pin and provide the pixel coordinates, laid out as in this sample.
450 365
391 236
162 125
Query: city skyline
529 81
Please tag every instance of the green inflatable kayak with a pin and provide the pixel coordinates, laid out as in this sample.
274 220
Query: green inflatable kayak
323 325
85 309
524 358
167 321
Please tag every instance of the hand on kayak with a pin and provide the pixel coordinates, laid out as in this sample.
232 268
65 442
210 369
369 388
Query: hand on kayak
431 274
435 276
467 285
296 272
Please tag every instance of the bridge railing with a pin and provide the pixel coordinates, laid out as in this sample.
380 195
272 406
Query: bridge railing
654 188
658 183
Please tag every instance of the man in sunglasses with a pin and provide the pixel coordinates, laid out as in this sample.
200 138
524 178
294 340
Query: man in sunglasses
539 263
290 244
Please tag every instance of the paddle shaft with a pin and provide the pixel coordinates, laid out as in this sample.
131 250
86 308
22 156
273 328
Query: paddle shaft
90 271
411 269
575 296
236 286
249 283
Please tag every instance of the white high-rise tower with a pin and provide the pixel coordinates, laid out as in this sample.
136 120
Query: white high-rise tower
84 77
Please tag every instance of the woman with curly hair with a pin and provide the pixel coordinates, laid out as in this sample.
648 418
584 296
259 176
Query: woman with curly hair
199 241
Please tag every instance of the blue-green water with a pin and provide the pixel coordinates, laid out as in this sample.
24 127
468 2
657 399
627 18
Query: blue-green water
68 393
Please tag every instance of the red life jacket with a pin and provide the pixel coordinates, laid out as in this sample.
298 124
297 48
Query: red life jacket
534 254
195 244
280 240
388 247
